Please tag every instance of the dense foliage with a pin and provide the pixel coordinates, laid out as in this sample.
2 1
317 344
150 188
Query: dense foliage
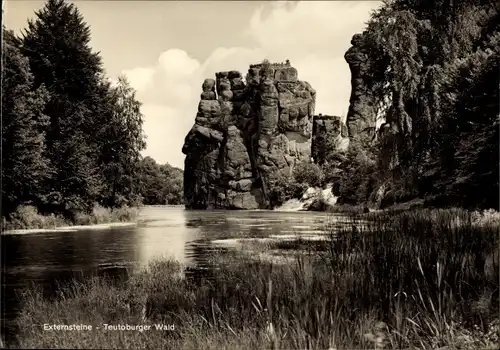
25 169
284 187
434 73
160 184
70 138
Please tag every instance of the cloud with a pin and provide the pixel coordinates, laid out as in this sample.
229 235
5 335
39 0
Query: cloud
177 62
140 77
313 35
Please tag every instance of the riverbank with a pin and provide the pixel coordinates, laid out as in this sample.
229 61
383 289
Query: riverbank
28 218
423 279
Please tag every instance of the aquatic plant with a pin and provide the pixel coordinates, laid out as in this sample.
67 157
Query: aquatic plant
422 279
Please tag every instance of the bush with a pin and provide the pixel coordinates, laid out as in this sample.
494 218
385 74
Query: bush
308 173
28 217
283 188
102 215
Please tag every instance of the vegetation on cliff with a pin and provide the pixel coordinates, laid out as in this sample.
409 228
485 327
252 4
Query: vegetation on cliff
248 135
431 71
71 140
284 187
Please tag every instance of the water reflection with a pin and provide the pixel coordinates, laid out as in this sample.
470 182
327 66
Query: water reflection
50 259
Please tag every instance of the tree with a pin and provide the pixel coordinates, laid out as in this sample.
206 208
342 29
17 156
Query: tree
57 45
475 123
173 189
358 176
160 184
120 139
433 69
25 167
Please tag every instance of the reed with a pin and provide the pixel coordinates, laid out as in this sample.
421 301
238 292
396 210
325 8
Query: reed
423 279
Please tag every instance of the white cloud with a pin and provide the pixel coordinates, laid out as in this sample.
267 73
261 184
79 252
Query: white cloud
313 35
235 58
140 77
176 62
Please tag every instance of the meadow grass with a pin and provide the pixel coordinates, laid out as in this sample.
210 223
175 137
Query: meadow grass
419 280
28 217
348 209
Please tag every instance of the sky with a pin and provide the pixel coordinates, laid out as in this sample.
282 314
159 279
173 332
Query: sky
167 48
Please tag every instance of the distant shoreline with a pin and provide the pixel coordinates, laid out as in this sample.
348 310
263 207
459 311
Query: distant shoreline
26 219
70 228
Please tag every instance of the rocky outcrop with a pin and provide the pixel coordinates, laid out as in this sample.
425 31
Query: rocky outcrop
313 199
318 199
329 133
246 133
361 116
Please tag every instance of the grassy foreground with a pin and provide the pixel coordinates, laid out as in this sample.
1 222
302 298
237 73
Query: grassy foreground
28 217
424 279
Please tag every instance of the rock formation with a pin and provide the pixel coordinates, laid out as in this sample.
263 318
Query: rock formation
329 133
361 116
245 133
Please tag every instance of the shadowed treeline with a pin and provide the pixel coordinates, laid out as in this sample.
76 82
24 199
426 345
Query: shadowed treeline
71 138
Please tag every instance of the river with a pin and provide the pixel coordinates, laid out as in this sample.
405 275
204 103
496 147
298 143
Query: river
53 257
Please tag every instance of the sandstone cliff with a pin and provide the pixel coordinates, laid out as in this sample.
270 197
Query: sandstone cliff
361 116
245 133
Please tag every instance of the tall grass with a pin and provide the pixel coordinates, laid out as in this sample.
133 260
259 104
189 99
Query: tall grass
414 280
348 209
426 270
28 217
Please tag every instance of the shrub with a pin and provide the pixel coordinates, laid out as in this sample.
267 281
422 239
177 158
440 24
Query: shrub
27 216
308 173
283 188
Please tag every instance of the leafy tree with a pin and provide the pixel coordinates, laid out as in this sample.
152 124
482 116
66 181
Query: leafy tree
57 45
120 139
358 175
283 187
25 167
160 184
434 72
472 125
173 189
70 138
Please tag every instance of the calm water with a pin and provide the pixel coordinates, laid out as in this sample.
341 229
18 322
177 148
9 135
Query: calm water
50 258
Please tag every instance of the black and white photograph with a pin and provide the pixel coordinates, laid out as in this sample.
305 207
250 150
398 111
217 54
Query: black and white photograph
240 175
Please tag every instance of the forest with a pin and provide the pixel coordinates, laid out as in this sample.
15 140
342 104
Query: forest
71 137
431 75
